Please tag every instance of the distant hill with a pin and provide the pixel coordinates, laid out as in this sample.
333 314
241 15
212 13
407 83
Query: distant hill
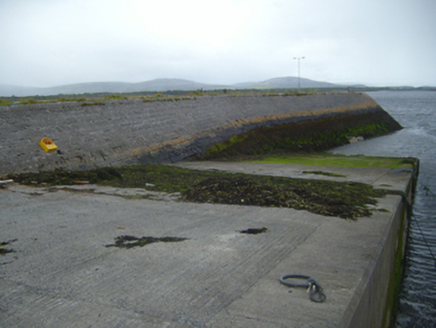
173 84
291 82
158 85
7 90
110 87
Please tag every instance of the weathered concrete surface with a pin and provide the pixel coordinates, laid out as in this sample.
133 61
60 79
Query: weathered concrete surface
62 275
132 131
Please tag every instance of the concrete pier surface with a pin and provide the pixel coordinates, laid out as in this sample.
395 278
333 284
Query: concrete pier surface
62 275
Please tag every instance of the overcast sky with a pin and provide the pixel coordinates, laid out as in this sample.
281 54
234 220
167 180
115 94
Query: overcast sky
374 42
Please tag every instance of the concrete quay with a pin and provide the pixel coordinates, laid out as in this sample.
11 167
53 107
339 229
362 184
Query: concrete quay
62 275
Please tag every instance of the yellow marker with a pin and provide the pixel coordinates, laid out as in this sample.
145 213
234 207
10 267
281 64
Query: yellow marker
47 144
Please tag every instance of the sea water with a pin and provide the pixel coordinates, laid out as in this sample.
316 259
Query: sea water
416 112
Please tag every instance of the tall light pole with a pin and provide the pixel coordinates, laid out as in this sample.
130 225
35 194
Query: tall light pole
299 58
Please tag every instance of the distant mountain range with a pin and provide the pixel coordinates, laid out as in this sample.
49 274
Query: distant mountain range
159 85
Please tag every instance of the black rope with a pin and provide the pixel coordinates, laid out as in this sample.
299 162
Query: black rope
428 192
316 293
425 239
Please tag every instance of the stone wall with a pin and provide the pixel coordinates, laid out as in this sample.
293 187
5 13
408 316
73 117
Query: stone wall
130 131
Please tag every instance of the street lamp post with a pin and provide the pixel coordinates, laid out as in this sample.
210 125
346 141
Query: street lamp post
298 59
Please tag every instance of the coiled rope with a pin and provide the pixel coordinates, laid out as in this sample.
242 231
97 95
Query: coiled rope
316 293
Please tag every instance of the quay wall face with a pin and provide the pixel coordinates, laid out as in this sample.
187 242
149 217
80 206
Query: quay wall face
130 131
375 301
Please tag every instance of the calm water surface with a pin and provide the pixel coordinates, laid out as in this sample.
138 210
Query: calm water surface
416 112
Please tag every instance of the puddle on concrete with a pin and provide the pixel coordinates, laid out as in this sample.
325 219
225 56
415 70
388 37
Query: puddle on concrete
127 241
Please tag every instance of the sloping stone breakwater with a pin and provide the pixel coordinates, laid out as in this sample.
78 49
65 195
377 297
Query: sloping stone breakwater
133 131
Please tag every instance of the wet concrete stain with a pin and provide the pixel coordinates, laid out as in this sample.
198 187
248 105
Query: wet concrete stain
127 241
254 231
3 250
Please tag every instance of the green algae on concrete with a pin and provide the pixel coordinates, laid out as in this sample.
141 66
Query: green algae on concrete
397 272
342 199
325 159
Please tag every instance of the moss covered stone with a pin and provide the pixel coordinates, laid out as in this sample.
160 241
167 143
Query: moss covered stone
310 134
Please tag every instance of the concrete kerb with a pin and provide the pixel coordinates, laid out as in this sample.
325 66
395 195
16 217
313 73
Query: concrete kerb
218 278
